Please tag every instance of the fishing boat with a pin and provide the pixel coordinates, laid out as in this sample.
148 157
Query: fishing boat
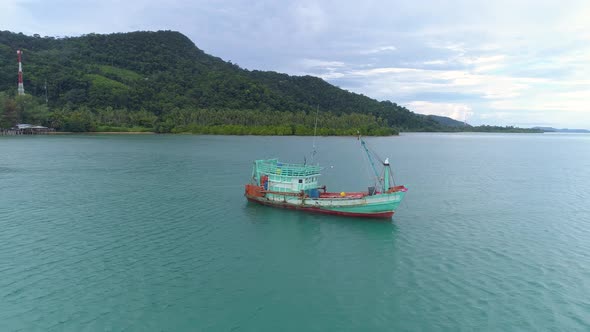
296 186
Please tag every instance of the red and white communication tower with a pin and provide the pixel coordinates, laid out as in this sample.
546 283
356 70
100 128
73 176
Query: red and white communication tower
21 87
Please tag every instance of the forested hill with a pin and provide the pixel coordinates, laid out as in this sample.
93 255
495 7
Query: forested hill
161 80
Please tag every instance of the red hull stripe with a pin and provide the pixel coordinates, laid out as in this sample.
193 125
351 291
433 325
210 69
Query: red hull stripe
388 214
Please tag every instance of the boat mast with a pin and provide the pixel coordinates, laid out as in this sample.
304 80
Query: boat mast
385 179
386 174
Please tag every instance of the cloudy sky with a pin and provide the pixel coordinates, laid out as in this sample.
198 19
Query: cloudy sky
522 63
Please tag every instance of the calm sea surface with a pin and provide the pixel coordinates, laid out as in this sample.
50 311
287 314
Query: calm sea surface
152 233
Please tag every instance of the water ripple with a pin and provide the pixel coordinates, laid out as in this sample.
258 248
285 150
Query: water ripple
153 233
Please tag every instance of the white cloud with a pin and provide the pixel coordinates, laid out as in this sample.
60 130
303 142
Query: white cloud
309 17
497 115
395 82
460 112
566 102
330 68
484 59
481 64
15 16
315 63
455 49
478 64
381 49
435 62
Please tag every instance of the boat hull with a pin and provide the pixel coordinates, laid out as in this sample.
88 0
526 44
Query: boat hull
377 206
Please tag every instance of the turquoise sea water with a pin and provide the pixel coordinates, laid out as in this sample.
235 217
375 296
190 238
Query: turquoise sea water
152 233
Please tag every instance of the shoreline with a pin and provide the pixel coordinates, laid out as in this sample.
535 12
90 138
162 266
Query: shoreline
102 133
230 134
188 133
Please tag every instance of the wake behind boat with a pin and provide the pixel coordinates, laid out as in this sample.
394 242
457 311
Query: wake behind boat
295 186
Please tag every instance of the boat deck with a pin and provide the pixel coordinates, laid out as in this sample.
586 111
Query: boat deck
346 195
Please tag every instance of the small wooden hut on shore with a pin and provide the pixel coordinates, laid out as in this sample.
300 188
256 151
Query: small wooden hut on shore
26 129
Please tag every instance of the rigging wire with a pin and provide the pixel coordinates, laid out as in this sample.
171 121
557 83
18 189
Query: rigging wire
368 154
315 130
365 162
371 154
364 145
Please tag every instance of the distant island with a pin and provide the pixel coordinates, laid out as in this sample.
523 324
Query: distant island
555 130
161 82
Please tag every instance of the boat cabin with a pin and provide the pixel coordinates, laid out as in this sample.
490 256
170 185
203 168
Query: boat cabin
286 178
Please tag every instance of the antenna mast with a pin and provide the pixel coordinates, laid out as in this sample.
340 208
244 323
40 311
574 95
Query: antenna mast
21 87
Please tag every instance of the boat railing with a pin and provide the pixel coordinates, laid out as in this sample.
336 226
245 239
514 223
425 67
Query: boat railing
273 166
